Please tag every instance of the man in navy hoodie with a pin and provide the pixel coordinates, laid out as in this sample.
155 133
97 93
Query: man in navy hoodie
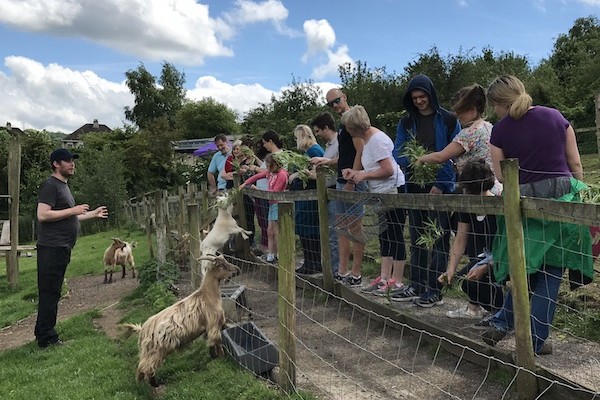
432 127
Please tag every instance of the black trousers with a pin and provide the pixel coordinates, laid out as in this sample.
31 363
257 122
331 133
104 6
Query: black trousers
311 248
51 266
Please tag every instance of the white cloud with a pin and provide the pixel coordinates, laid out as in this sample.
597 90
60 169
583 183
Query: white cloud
242 97
175 30
463 3
239 97
335 59
56 98
320 37
248 12
594 3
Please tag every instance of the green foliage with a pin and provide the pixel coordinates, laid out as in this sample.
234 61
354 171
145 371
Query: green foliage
149 156
375 89
100 180
421 173
575 62
298 104
205 119
155 99
431 233
152 272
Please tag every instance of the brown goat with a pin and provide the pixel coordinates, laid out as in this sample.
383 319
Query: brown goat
179 324
109 258
124 257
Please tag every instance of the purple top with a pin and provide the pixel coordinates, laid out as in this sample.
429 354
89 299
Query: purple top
538 140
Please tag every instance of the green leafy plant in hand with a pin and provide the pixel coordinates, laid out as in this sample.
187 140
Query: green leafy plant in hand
421 173
431 233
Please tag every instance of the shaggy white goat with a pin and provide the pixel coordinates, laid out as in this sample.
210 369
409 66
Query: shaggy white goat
179 324
109 258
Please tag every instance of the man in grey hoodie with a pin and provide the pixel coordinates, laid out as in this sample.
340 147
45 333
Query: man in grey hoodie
433 127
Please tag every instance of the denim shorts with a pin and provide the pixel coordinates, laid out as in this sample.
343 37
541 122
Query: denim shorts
342 207
273 212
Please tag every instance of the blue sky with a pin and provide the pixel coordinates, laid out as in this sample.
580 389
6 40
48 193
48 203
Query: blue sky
62 62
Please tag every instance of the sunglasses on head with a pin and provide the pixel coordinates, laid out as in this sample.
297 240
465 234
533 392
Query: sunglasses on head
334 101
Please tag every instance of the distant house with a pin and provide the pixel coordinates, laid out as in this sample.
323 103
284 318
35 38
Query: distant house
9 128
75 139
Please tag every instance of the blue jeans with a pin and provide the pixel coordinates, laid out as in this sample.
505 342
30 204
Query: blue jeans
333 238
423 270
543 291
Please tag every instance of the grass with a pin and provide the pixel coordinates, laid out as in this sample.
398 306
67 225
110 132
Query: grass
86 259
591 168
93 366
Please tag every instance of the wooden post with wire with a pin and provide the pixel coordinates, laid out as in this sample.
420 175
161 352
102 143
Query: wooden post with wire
244 223
14 182
526 381
161 231
287 298
324 230
194 224
149 223
597 102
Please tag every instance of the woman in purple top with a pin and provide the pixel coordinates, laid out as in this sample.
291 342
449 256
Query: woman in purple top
544 143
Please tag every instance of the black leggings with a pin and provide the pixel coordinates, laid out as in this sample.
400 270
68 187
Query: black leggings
485 292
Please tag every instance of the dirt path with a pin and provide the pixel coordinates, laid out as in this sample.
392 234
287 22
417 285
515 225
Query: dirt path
87 293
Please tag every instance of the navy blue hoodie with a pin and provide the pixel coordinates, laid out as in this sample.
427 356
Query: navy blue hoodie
444 131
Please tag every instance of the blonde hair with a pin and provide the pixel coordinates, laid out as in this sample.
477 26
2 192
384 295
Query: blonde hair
304 137
508 90
356 119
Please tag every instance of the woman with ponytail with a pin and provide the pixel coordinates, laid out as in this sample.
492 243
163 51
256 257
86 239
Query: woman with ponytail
550 167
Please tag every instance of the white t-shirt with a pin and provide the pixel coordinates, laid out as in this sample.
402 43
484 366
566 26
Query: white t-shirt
331 152
378 148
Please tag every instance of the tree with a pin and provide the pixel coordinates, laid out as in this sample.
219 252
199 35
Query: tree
206 118
375 89
148 157
298 104
154 100
576 62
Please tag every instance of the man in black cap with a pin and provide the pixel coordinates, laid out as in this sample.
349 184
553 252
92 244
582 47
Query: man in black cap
58 223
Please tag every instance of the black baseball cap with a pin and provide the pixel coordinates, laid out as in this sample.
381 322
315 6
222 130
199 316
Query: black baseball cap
62 155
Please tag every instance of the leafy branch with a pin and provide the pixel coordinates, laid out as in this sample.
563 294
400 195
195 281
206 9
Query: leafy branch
422 173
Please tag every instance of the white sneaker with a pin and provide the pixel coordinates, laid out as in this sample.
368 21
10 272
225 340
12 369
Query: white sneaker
465 312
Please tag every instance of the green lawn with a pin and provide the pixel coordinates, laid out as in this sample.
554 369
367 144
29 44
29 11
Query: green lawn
93 366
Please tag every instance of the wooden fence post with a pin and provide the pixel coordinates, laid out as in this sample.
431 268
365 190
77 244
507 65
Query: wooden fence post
161 231
194 223
324 230
182 211
526 382
287 297
150 223
597 102
168 221
14 182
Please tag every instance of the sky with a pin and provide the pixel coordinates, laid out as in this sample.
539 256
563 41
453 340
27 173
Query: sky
63 62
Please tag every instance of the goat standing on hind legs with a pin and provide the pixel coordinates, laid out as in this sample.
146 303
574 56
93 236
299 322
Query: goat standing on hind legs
225 226
179 324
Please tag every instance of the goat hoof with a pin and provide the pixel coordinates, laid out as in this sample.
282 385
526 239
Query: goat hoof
216 351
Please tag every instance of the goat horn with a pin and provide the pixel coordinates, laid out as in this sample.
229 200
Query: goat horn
210 257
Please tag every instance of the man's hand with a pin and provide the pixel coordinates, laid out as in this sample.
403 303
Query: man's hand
80 209
100 212
319 161
477 273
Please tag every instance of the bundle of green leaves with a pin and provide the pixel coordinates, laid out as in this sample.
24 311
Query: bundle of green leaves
421 173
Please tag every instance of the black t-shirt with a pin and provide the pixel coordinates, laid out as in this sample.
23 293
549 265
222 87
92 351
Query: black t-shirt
482 232
347 152
425 131
61 233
